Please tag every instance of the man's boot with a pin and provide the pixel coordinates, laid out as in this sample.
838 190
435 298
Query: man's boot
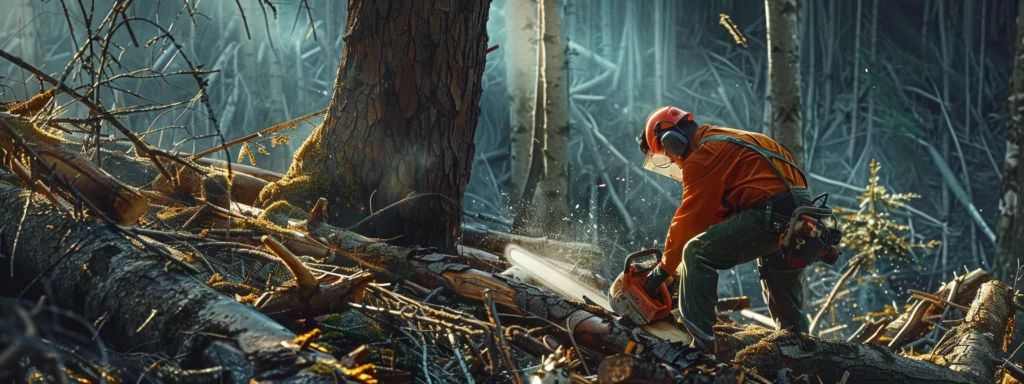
702 341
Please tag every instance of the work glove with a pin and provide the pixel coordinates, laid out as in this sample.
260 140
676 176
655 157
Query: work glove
653 281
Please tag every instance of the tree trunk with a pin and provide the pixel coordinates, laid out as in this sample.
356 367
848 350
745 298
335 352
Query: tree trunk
1010 226
401 121
552 200
521 59
537 164
784 74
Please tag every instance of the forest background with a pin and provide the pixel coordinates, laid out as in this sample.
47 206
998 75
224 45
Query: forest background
921 86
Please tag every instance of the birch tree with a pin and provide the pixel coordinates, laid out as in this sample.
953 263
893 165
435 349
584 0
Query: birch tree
552 189
538 113
521 70
1010 226
784 74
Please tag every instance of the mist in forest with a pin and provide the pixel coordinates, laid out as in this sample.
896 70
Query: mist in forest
920 86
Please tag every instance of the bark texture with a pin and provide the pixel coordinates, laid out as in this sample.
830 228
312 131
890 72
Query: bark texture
973 347
145 307
1010 225
784 75
829 360
401 121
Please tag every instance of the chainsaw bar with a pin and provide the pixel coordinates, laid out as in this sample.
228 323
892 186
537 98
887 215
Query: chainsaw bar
558 277
554 275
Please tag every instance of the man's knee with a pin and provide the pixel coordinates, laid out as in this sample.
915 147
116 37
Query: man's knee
691 252
703 252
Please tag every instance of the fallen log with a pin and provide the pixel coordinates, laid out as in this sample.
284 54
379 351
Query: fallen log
637 370
122 163
785 355
972 348
190 183
91 270
909 326
121 203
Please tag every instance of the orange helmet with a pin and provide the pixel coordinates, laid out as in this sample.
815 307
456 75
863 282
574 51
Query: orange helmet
662 134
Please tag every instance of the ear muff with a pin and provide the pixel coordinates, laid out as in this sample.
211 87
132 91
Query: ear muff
675 144
671 139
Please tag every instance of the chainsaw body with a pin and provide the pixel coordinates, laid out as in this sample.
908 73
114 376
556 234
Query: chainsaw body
629 298
812 235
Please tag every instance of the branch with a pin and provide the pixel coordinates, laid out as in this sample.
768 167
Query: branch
141 146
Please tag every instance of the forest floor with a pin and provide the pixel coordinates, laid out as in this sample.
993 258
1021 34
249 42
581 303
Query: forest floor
163 271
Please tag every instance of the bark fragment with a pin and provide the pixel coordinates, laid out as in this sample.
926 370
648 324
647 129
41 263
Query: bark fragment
121 203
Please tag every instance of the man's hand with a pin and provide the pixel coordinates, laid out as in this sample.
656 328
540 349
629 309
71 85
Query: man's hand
654 279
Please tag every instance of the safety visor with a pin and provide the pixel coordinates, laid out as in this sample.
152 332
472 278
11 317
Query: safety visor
664 166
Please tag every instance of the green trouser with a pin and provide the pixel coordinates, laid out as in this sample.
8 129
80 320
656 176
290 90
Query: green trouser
737 240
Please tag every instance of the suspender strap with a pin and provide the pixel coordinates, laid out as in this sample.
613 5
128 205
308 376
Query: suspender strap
768 155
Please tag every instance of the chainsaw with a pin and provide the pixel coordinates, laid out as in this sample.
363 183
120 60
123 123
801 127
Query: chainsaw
629 298
560 277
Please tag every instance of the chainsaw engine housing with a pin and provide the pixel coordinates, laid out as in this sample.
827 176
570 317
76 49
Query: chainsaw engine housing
629 298
813 235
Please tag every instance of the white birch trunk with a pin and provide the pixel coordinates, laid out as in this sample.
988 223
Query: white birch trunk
552 198
521 70
784 75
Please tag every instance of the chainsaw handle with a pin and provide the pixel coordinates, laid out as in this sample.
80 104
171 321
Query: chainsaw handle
646 252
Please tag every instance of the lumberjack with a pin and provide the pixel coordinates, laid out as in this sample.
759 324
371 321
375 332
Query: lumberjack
743 200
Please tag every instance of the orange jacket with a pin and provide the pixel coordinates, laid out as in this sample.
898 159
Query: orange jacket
720 171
